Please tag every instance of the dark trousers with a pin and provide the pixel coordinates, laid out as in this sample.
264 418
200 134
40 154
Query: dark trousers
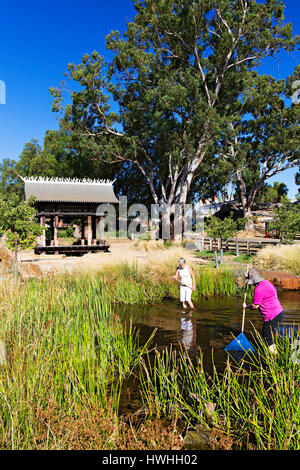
271 327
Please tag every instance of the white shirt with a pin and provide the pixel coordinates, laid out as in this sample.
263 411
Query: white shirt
185 276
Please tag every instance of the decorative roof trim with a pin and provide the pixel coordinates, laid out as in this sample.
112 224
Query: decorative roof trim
40 179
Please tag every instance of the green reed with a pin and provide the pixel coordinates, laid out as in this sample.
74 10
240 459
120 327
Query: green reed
212 281
256 402
67 349
65 346
130 284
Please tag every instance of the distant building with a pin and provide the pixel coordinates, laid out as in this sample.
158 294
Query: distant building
59 199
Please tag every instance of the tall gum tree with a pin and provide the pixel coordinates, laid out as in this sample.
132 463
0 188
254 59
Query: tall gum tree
266 142
173 85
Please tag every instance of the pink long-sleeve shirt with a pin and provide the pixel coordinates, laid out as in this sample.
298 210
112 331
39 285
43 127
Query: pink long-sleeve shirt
265 295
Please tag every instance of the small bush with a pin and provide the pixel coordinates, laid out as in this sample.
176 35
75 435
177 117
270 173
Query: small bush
284 258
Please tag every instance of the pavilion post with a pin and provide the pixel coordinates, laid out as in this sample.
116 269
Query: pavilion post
94 230
41 240
52 231
55 230
89 230
82 231
43 225
101 228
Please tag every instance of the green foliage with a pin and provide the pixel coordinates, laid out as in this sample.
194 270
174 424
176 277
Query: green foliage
253 404
33 161
9 181
217 228
265 142
19 217
24 243
180 94
68 233
223 229
175 85
287 220
276 193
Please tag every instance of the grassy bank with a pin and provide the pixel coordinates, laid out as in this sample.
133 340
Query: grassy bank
68 356
285 258
152 281
254 405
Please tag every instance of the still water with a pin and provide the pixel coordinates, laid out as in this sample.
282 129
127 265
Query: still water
210 327
211 324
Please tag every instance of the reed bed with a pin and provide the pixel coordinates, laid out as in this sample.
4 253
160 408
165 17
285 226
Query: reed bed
68 355
284 258
251 405
152 281
210 282
65 351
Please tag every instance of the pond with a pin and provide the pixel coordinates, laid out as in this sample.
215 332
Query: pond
209 326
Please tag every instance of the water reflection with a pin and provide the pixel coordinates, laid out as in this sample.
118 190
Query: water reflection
210 326
189 332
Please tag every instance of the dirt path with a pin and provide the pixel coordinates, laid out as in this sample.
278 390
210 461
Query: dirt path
120 251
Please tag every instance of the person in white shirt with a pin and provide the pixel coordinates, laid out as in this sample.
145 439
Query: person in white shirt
187 282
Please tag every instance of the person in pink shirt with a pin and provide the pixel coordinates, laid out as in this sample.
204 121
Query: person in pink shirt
265 298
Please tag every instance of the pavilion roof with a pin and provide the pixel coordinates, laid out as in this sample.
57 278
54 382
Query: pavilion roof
69 190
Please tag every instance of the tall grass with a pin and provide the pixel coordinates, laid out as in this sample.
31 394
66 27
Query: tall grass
255 403
283 258
216 282
162 264
65 349
149 245
68 356
152 282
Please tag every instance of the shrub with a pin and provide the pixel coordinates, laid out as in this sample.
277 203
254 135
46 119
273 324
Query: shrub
284 258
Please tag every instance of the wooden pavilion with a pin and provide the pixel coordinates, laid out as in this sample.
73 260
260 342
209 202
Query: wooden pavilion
61 198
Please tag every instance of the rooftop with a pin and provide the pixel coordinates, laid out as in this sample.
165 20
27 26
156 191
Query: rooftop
69 190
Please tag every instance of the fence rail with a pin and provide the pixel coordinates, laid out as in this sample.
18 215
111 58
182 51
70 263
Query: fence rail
241 245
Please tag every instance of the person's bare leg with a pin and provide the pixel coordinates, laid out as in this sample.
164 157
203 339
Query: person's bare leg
184 305
191 304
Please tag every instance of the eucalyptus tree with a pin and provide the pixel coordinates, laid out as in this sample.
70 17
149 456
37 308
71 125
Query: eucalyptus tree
61 155
173 85
275 193
265 142
297 181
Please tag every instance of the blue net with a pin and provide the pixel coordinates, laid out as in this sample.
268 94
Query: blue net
240 343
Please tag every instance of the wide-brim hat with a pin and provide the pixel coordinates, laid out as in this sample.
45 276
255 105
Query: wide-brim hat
253 277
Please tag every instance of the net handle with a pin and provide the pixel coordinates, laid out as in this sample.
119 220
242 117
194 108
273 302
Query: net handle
245 298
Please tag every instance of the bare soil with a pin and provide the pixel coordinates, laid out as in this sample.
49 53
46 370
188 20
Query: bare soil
120 251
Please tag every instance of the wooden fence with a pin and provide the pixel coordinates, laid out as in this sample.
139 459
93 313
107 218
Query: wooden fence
249 246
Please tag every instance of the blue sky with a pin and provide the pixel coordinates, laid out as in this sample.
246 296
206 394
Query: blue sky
39 38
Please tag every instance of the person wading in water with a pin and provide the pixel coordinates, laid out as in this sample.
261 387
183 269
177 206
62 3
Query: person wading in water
265 298
187 282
